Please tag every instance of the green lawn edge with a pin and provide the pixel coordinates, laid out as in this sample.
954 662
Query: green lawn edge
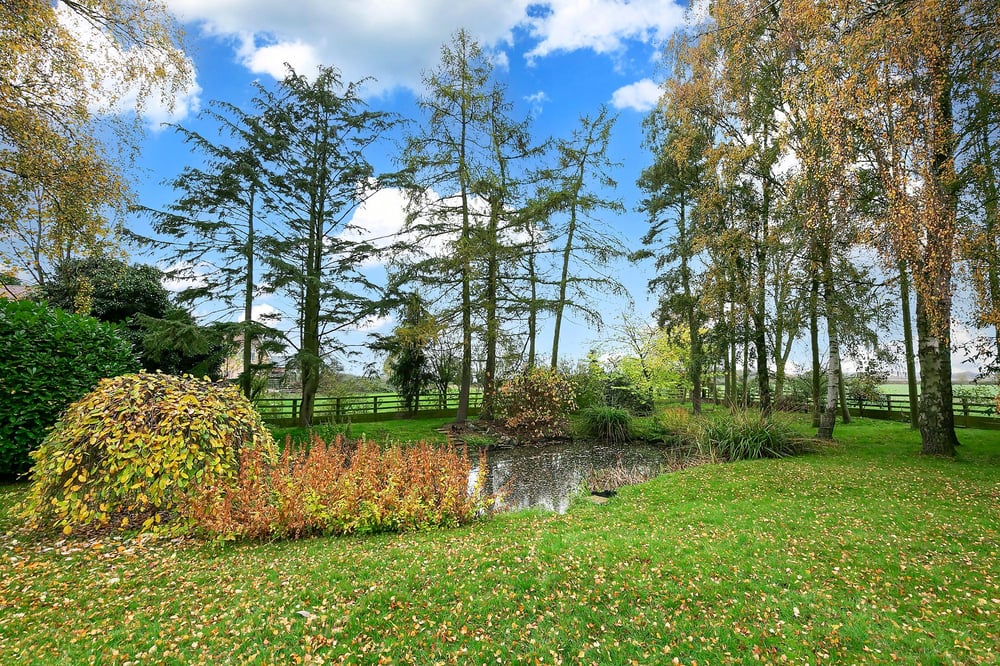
861 552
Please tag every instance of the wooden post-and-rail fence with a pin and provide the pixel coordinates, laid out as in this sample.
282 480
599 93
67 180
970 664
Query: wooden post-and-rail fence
285 412
969 412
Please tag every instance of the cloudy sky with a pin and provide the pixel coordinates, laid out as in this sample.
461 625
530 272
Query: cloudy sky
560 60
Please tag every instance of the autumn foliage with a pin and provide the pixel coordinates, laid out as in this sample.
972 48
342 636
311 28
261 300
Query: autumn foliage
129 451
535 405
340 488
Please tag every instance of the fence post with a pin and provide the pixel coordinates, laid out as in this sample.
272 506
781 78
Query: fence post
965 406
295 409
888 405
337 414
374 404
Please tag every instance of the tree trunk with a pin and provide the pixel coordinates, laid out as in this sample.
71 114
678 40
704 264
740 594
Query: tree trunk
246 379
309 349
936 418
760 307
937 421
563 282
465 375
845 409
814 343
691 307
492 325
532 308
834 387
745 379
908 351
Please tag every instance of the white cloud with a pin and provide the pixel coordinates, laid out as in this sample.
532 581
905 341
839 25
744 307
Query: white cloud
262 312
369 324
641 96
380 217
391 40
185 275
602 26
700 12
396 40
107 89
274 59
381 220
537 101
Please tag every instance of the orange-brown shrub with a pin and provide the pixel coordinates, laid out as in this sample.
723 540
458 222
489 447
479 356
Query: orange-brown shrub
340 488
535 404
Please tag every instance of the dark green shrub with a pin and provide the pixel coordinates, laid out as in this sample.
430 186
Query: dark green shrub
589 381
798 393
747 435
608 424
134 446
622 393
48 359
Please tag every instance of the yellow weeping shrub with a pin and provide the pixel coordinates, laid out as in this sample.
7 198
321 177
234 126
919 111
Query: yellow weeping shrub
128 452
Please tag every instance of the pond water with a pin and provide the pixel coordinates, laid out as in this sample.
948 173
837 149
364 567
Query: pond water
547 477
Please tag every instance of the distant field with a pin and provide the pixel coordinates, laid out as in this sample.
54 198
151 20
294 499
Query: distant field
969 389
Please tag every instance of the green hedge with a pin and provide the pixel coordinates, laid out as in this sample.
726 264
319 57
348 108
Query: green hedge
48 359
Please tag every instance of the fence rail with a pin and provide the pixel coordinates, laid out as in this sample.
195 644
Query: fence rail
285 412
969 412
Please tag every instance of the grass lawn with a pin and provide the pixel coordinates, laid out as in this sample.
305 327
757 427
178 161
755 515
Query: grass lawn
863 552
402 430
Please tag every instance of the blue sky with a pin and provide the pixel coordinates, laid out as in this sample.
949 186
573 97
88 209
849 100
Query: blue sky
559 59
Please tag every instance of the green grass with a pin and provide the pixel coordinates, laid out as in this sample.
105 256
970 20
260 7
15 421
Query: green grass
864 552
402 430
895 388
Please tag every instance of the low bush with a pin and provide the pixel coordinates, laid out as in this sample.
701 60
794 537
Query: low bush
48 359
676 427
865 388
130 450
622 393
588 380
747 435
607 424
535 405
340 488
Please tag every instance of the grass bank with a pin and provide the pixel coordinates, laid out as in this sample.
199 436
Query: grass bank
863 552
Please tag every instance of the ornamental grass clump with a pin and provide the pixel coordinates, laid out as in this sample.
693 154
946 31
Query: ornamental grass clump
676 427
607 424
747 435
340 488
128 452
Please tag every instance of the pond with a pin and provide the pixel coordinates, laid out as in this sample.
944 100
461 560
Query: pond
547 477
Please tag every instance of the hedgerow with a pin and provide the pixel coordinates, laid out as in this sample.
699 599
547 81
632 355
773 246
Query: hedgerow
48 359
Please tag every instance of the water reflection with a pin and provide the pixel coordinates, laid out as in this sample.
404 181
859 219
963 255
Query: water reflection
547 477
